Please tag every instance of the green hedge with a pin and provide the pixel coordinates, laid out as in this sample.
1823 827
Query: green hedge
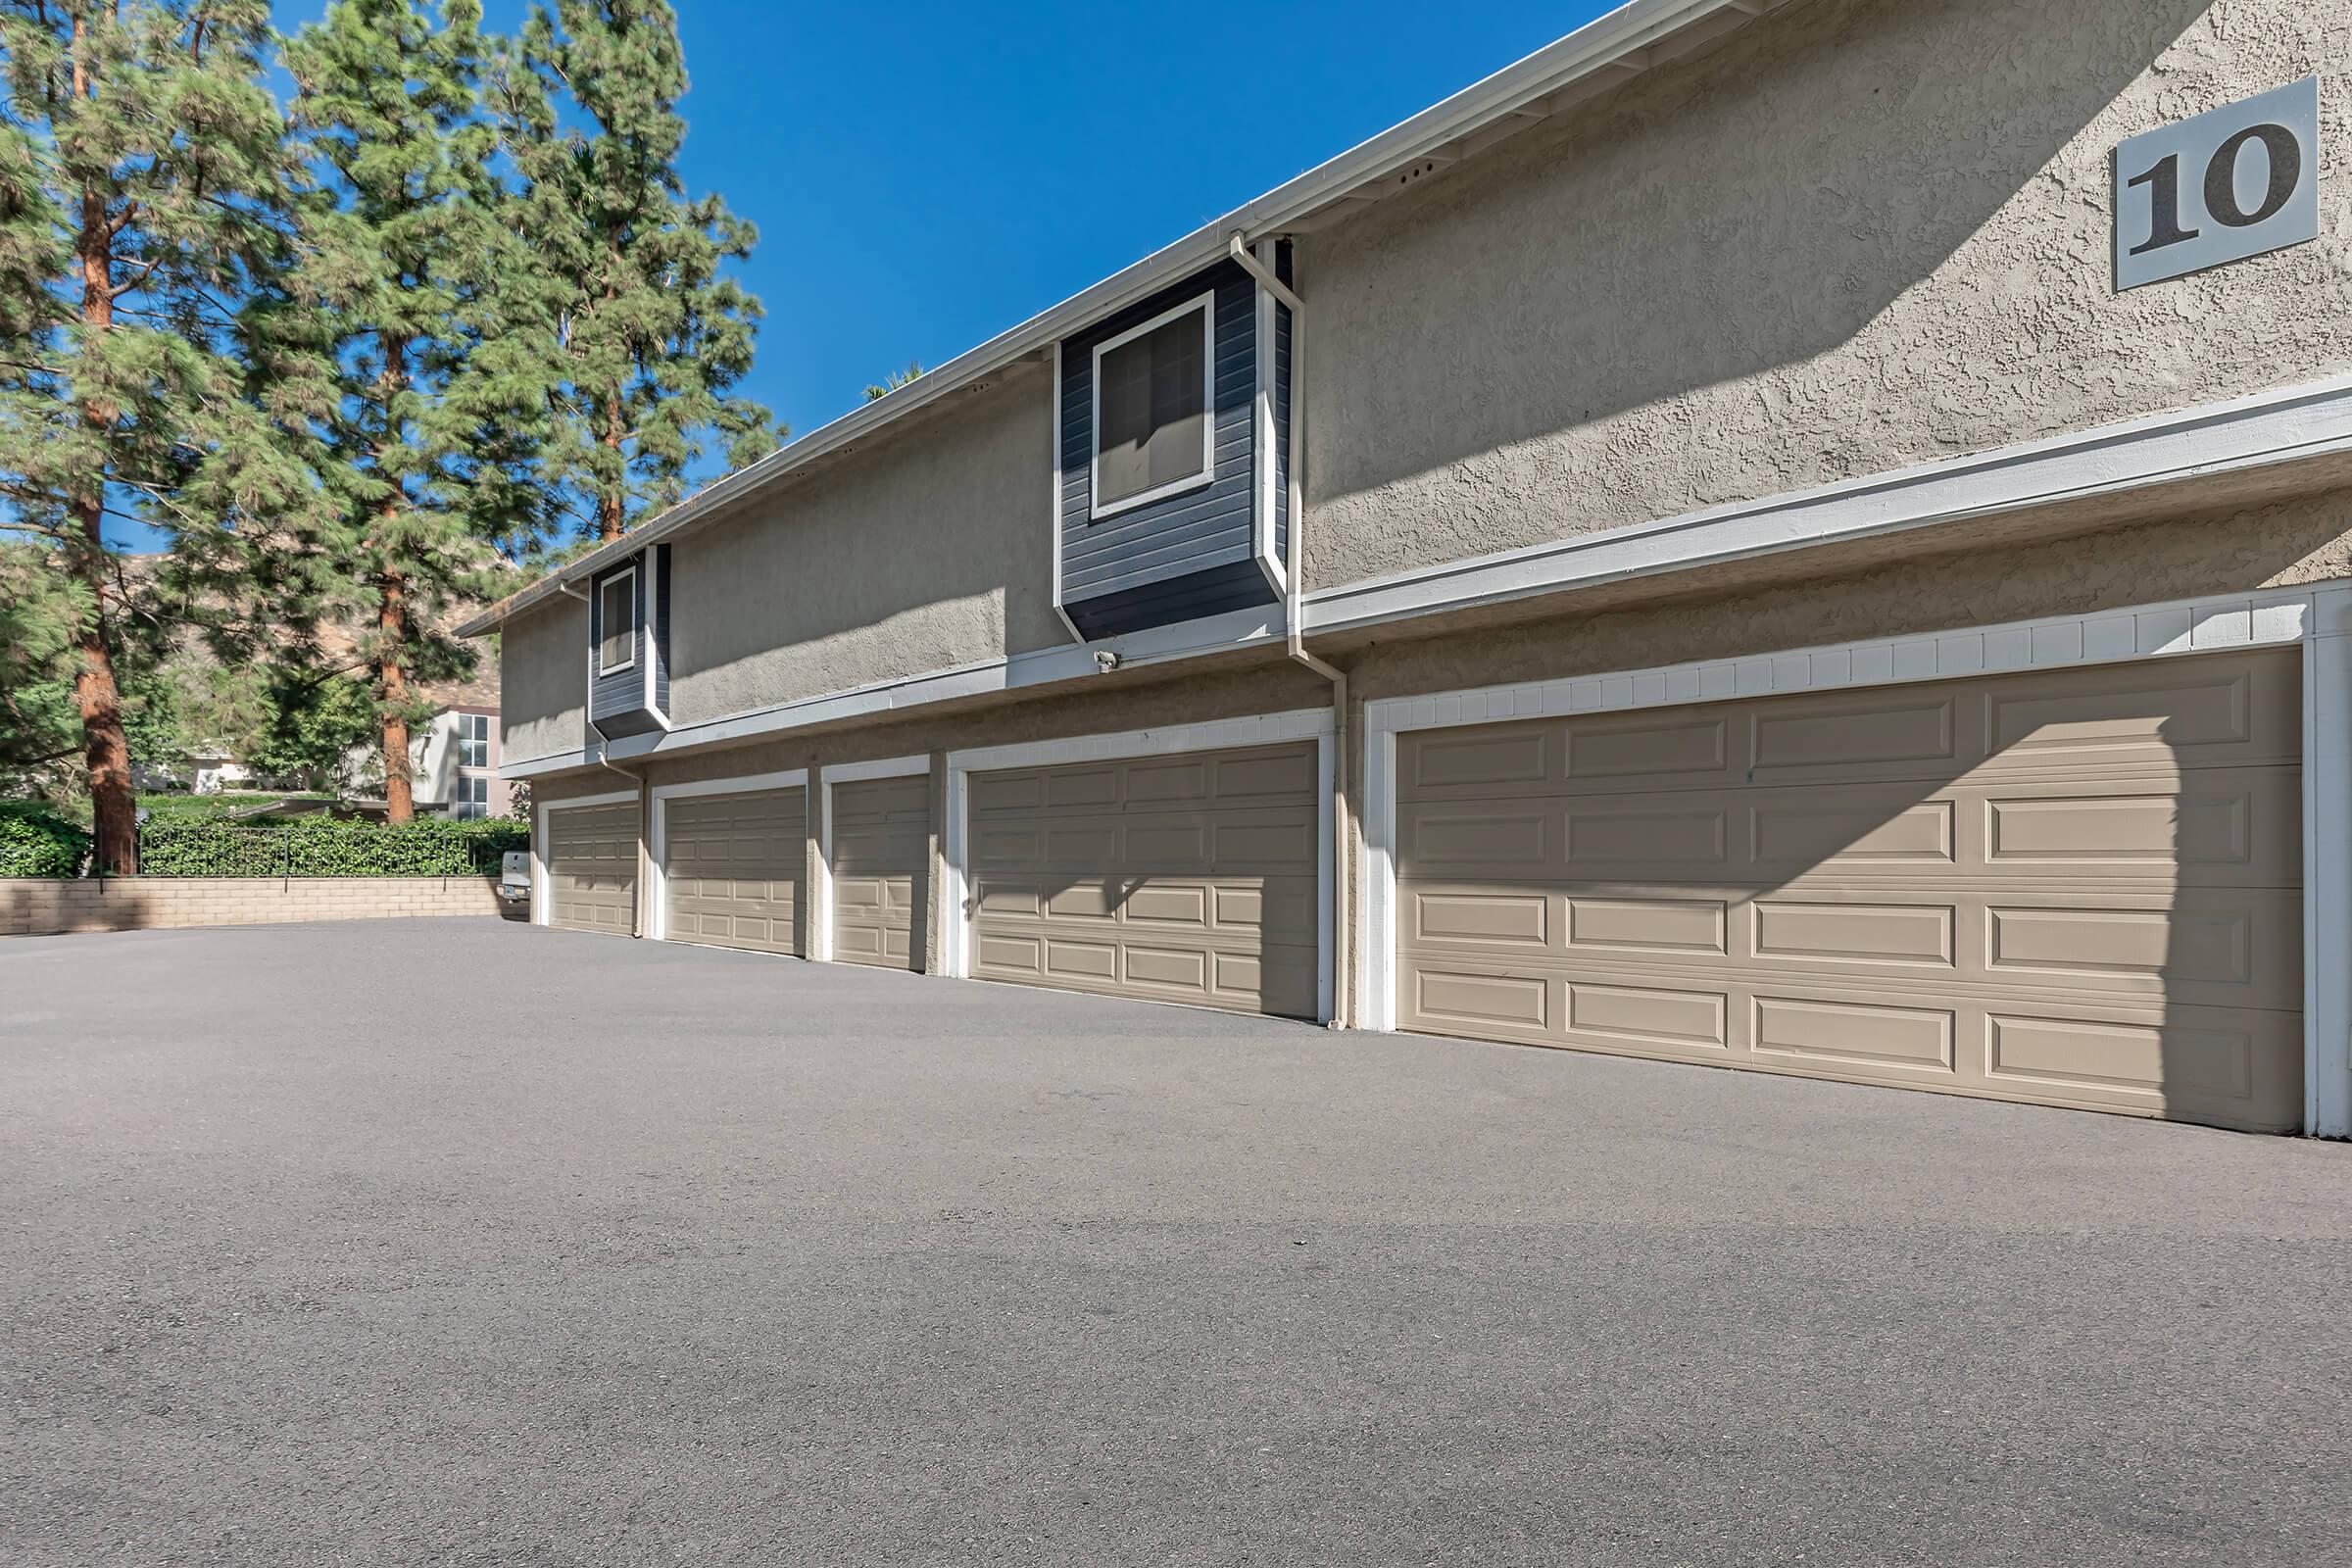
35 841
320 846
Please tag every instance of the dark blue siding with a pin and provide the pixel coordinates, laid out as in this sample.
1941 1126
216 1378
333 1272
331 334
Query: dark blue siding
616 704
1178 540
1233 585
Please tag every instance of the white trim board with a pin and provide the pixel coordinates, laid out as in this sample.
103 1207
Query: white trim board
1259 625
2318 619
2281 425
657 917
1224 734
541 914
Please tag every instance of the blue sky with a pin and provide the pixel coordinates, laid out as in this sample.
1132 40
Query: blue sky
925 175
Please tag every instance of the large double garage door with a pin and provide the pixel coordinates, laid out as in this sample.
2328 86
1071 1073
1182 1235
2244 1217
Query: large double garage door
1179 878
2079 887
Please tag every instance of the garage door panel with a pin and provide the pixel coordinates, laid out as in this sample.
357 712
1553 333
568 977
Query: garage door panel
733 865
2105 911
2215 827
1852 737
1188 878
592 868
1865 830
2220 947
2231 711
880 851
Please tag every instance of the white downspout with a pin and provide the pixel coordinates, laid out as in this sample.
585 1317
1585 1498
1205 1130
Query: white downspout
1342 981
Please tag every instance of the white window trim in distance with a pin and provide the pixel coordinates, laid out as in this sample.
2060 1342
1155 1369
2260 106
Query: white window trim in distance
541 911
2318 618
820 908
657 917
2282 425
954 944
1207 305
2291 424
645 629
602 588
1261 425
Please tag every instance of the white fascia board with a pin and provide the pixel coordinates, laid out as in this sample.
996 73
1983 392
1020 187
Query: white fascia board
877 767
2282 425
1254 626
1615 39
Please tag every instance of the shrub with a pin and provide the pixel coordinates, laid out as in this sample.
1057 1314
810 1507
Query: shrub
321 846
35 841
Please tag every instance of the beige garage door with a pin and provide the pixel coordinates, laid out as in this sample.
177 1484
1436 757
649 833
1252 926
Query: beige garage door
881 854
733 865
592 868
2079 887
1187 878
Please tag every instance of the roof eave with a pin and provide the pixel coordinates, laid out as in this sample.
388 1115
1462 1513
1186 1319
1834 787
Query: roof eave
1617 40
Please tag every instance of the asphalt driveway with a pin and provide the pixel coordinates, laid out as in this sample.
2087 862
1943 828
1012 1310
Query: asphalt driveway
456 1241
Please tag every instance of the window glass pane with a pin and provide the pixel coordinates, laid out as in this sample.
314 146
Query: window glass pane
1149 428
619 617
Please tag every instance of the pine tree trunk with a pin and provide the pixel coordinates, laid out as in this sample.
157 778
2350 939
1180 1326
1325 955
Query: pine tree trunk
612 506
392 689
114 808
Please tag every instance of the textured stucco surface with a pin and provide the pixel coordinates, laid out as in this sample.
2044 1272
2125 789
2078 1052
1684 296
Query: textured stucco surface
1857 235
542 682
931 548
1998 576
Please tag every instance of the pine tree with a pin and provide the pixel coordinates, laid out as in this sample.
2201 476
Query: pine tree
141 165
640 337
393 302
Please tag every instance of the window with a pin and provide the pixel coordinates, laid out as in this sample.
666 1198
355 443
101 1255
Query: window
616 623
1152 408
473 740
473 798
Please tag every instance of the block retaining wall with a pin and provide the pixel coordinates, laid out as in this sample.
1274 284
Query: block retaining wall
40 906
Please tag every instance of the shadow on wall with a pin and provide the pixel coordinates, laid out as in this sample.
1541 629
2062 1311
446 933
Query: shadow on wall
1723 220
2080 886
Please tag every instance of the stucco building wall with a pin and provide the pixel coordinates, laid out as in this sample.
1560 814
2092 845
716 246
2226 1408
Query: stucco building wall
1857 235
928 549
543 675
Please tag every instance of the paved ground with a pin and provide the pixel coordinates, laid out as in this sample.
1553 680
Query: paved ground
454 1242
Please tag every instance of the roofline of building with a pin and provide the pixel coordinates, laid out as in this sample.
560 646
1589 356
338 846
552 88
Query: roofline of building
1627 41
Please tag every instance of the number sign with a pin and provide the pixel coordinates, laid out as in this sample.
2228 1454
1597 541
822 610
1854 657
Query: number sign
2228 183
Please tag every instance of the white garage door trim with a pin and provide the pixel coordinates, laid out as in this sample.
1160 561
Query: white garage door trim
542 907
821 905
2320 619
1225 734
657 919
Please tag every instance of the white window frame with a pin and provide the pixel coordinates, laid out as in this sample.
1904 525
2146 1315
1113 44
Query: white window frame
604 587
2318 620
465 738
1207 305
